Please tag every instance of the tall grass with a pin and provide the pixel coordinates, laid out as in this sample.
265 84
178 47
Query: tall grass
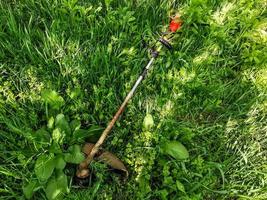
209 93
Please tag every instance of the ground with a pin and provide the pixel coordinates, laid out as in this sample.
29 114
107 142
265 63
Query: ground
209 93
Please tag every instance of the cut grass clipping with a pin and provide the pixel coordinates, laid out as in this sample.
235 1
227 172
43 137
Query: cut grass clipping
65 67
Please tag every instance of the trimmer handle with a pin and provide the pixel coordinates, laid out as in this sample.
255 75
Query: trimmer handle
165 43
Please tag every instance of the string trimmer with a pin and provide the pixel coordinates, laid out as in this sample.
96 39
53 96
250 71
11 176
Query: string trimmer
92 149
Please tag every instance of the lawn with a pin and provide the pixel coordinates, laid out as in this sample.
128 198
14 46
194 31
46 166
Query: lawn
66 66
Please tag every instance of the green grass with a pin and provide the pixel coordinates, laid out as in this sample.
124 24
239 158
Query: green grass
209 93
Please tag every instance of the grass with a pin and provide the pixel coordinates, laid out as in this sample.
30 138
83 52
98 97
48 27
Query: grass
209 93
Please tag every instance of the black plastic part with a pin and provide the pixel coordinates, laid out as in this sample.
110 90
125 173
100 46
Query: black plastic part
154 53
165 43
81 182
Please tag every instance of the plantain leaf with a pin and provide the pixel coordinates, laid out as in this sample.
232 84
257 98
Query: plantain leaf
53 99
44 167
42 137
58 136
75 125
74 155
29 189
175 149
60 162
55 148
57 187
62 124
90 135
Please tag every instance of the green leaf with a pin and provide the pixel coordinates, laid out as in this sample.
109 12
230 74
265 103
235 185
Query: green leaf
55 148
75 93
163 194
50 123
44 166
90 135
57 187
60 162
75 125
57 136
107 2
53 99
175 149
62 124
148 122
52 191
42 137
180 186
29 189
80 135
74 155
